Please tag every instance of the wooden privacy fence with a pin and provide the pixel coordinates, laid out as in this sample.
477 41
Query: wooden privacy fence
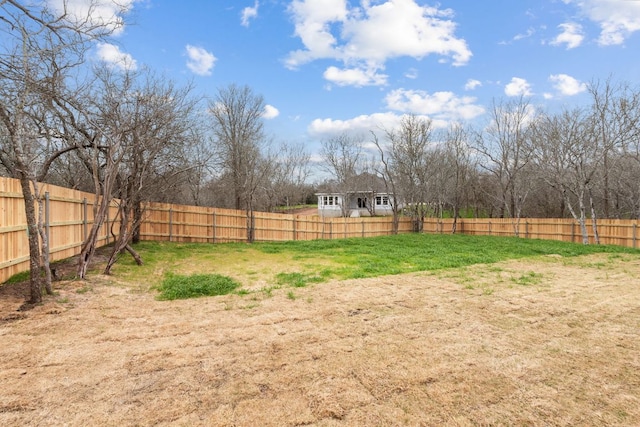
179 223
69 215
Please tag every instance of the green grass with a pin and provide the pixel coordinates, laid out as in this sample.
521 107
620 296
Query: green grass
299 263
529 278
17 278
356 258
300 280
176 286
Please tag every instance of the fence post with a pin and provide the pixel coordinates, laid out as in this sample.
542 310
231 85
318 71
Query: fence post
573 232
170 223
345 227
295 234
634 228
489 228
213 228
47 222
362 223
526 229
84 219
331 230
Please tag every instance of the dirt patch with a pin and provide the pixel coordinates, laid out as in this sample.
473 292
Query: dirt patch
547 342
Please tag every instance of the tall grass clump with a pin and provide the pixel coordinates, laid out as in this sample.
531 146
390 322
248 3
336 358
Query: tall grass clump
176 286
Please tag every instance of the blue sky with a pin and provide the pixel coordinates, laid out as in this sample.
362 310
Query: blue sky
327 66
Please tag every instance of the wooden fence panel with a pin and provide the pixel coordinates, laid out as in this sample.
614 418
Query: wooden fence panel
70 216
308 227
14 248
272 227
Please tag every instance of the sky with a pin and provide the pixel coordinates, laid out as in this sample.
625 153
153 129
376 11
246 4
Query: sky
330 66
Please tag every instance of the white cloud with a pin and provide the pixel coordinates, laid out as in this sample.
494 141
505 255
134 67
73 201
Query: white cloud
617 19
567 85
412 73
518 87
115 58
200 61
366 37
365 124
441 108
571 35
529 33
249 13
439 105
358 125
354 77
270 112
472 84
107 13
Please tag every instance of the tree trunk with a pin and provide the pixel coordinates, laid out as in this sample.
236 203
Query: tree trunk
89 245
250 225
583 221
122 240
456 212
35 288
44 239
137 221
594 220
395 221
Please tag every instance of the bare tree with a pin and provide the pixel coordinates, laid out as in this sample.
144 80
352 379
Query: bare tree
238 135
240 144
506 150
41 47
290 171
200 155
569 160
156 122
386 171
343 158
614 111
408 158
104 128
462 167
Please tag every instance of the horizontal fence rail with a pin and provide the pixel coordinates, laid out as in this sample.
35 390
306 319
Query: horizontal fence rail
69 216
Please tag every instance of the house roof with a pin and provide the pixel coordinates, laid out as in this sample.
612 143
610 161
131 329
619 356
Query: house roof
362 183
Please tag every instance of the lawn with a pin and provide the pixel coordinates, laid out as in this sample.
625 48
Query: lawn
271 265
405 330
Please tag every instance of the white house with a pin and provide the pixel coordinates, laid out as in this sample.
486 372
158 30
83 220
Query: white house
354 204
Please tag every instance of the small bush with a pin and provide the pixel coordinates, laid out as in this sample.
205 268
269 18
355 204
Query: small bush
176 286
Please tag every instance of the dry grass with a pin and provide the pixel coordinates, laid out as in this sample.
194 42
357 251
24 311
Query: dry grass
484 345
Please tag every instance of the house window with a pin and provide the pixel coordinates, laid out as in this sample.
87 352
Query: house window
362 202
329 200
382 200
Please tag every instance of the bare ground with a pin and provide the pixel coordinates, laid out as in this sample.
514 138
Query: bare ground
546 342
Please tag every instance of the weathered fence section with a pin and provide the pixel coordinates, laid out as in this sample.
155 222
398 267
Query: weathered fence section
69 216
